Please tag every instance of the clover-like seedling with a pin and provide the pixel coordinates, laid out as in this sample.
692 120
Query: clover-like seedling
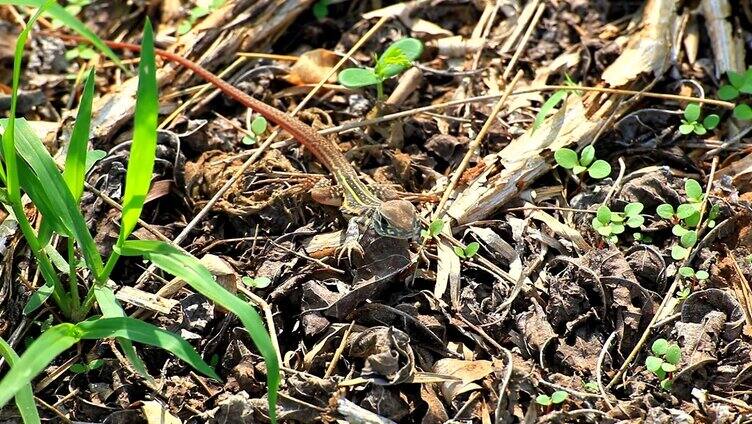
197 13
738 83
258 127
590 386
687 240
688 272
663 362
688 213
396 59
556 398
82 368
433 230
610 224
568 159
257 282
81 51
468 252
691 122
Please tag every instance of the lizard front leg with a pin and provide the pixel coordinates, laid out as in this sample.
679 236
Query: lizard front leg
351 242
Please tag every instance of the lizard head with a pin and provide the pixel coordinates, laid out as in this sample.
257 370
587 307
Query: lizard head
397 219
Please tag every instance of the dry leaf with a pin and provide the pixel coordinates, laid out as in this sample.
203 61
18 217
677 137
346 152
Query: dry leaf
313 66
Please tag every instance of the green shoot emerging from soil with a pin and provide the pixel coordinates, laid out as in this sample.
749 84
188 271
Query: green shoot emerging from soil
567 159
686 217
663 362
610 224
258 127
468 252
691 122
396 59
556 398
552 102
738 84
433 230
197 13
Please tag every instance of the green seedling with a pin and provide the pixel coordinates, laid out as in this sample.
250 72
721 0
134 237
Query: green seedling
558 397
197 13
82 368
591 386
739 83
433 230
257 282
396 59
689 273
320 9
643 238
683 294
610 224
568 159
81 51
74 7
258 127
686 218
553 102
691 122
88 307
663 362
468 252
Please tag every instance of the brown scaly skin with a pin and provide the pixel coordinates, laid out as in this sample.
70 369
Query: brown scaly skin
390 218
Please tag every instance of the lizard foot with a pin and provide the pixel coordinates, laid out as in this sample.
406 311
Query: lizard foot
347 248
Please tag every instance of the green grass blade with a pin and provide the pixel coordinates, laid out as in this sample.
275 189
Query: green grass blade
185 266
58 12
31 149
548 107
25 396
39 354
9 150
143 148
143 332
111 309
75 160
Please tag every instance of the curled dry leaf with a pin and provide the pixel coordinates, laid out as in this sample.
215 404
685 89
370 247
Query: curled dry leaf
313 66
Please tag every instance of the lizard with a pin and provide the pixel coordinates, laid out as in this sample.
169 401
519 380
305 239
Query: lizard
396 218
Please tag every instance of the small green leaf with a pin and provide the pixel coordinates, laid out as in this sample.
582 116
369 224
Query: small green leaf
559 396
617 228
258 126
678 252
687 271
727 92
694 219
666 384
635 221
184 27
262 282
591 386
693 189
398 57
548 108
711 121
436 227
459 252
692 112
743 112
78 368
702 275
578 169
410 47
248 140
736 79
665 211
357 78
673 354
601 228
566 158
543 400
686 210
653 364
659 347
686 128
472 249
320 9
714 211
587 155
689 239
599 169
633 209
603 214
699 129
